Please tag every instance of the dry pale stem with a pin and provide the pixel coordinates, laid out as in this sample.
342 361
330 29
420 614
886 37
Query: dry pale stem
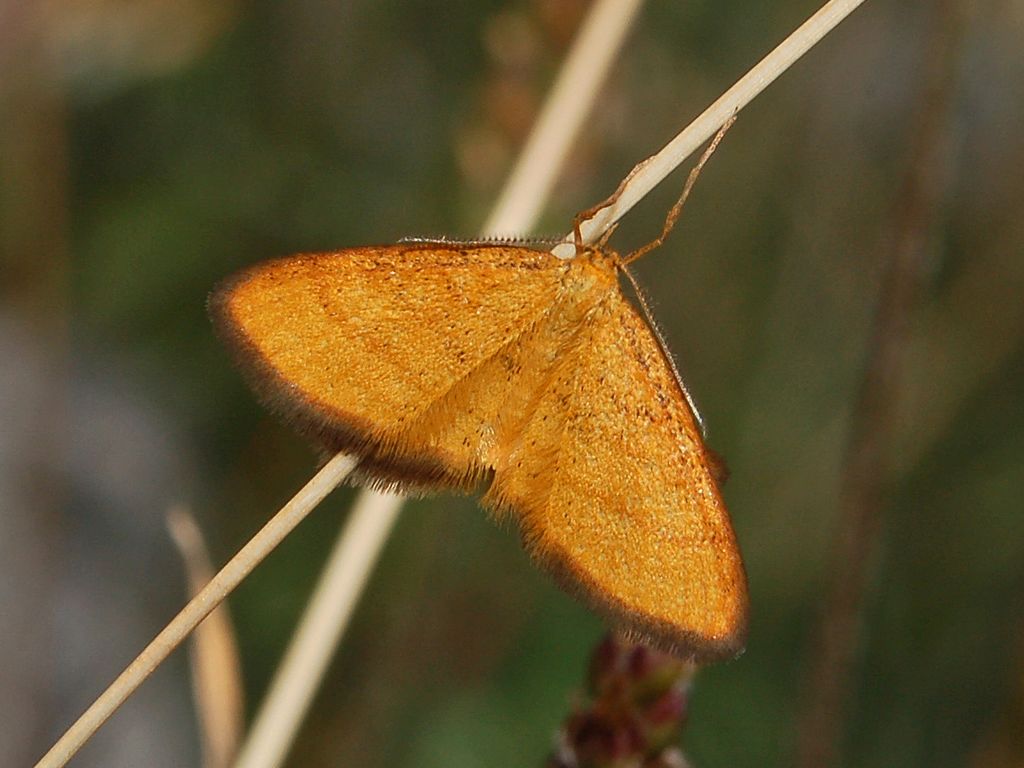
360 543
214 659
574 93
650 172
643 178
229 577
518 205
322 625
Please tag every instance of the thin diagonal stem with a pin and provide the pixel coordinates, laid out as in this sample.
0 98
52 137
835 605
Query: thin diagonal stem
198 608
572 96
320 630
359 546
643 178
650 172
548 145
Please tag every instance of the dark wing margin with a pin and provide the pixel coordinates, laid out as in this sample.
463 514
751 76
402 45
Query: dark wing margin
627 514
350 347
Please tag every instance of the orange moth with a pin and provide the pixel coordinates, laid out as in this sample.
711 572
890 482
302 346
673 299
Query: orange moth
445 365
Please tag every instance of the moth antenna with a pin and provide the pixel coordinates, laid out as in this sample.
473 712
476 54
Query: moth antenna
663 346
673 214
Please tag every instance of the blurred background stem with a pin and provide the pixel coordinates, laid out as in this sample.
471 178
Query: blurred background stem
34 263
354 557
148 149
867 469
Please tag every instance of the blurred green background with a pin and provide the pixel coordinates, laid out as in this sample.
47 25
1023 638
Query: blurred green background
148 149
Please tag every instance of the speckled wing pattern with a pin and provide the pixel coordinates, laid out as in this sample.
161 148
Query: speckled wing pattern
629 515
441 366
352 347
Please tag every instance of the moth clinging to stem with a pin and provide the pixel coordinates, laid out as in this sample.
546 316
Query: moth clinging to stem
444 365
